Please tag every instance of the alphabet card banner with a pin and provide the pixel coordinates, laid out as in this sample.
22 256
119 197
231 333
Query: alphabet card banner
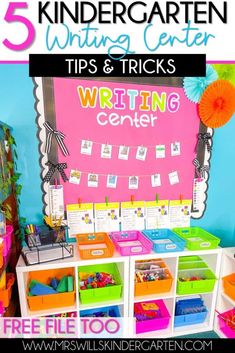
119 139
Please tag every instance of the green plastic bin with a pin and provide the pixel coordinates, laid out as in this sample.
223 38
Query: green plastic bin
194 266
191 262
105 294
197 238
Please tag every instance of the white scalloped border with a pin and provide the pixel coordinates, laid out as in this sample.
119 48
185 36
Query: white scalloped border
207 158
39 107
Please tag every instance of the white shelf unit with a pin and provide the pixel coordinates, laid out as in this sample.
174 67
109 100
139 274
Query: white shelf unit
76 262
126 266
224 302
211 257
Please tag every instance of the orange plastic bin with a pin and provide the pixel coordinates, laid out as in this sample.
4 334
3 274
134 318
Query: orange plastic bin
157 286
95 246
50 301
229 285
5 294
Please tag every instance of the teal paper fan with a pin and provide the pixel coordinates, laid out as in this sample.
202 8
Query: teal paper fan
195 86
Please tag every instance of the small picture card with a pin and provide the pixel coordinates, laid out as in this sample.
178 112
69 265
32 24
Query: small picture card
75 176
173 178
160 151
93 180
112 181
86 147
123 152
106 151
133 182
175 149
141 153
156 180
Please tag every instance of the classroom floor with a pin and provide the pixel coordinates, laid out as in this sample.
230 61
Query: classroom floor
209 334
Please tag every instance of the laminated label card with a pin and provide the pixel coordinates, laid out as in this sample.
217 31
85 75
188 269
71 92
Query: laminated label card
133 182
157 214
75 177
93 180
156 180
112 181
80 219
141 153
160 151
106 151
86 147
132 215
180 213
123 152
175 149
107 217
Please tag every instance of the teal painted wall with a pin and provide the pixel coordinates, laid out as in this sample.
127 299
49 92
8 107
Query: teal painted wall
17 110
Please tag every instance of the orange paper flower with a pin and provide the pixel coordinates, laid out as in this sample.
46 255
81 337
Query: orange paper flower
217 104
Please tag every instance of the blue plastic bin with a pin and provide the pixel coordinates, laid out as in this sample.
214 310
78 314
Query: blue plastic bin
190 319
182 318
112 311
164 240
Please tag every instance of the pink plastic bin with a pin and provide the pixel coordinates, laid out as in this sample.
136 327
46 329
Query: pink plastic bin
7 240
131 243
224 324
160 323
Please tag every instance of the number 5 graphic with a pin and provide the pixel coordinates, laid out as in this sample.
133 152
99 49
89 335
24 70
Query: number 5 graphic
12 17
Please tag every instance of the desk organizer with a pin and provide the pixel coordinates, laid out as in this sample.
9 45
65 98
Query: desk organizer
197 238
151 316
190 312
229 285
227 323
46 236
194 276
7 240
109 311
94 245
156 268
50 301
164 240
104 294
5 294
131 243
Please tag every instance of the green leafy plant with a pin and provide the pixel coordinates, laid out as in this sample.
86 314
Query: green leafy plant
10 182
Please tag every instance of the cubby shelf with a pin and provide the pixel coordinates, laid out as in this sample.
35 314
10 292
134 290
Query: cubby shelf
224 302
126 266
75 263
213 259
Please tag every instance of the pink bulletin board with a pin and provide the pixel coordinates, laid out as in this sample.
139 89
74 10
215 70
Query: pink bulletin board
84 123
121 113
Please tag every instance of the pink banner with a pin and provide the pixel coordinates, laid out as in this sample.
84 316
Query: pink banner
121 114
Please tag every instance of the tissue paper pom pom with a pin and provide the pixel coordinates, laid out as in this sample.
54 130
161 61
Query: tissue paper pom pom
225 72
217 104
195 86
